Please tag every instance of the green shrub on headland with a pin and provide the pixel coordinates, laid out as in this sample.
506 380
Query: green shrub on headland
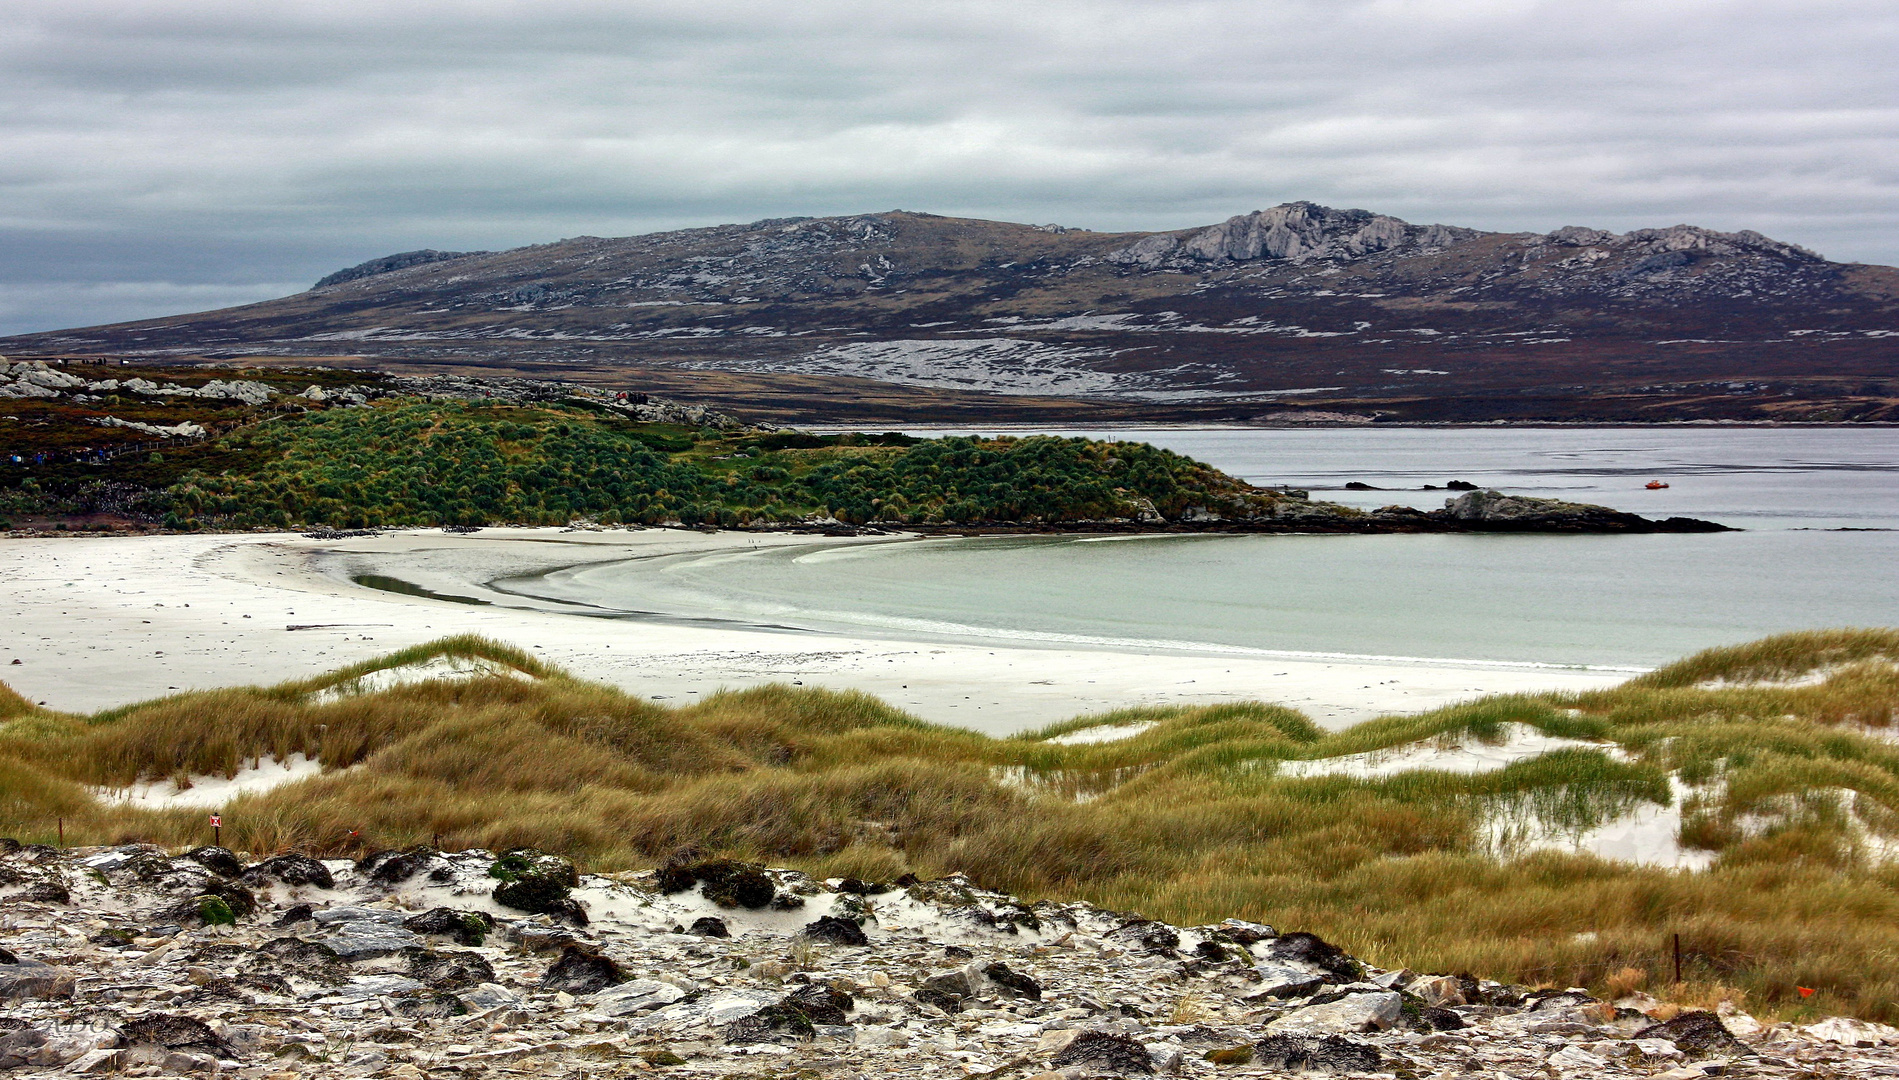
410 462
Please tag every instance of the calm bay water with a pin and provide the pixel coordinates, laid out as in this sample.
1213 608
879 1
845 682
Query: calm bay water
1595 600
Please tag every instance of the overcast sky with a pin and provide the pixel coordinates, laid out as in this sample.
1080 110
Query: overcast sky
159 156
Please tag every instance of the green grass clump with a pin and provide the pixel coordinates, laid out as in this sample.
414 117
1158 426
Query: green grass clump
1791 791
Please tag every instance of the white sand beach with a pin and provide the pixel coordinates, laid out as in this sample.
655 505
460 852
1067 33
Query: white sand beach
99 622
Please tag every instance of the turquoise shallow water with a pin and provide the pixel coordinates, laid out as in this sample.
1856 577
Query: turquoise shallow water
1595 600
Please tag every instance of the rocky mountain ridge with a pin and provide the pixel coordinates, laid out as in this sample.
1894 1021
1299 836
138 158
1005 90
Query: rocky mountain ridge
1298 308
418 963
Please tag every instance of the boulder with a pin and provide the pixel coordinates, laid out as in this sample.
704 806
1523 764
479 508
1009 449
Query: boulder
581 971
450 970
1304 948
1698 1033
1013 982
174 1032
640 995
32 979
1146 936
711 926
218 860
292 869
364 939
466 927
725 882
832 930
1327 1053
1376 1011
1106 1052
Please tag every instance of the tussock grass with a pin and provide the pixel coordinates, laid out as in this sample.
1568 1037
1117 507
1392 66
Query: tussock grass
1189 820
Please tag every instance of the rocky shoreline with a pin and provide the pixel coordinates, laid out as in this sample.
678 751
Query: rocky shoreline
466 964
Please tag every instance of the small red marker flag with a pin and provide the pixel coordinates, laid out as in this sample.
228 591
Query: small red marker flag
216 821
1805 991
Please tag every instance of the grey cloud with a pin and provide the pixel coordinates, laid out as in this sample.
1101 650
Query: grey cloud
244 146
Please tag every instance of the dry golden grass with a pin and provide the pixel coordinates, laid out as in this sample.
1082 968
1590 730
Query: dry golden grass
1188 821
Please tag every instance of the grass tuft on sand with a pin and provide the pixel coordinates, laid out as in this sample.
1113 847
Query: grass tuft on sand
1783 748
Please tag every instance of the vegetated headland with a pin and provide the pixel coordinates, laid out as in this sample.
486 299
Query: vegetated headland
273 449
1775 758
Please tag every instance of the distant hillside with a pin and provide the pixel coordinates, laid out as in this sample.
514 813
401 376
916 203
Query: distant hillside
1277 313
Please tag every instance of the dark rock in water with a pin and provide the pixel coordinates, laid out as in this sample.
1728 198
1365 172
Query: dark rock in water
44 892
466 927
579 971
294 915
1699 1033
449 971
832 930
710 926
1357 485
293 869
1324 1053
1304 948
821 1004
217 860
1014 981
1493 511
1460 485
769 1024
396 867
1106 1052
174 1032
1147 936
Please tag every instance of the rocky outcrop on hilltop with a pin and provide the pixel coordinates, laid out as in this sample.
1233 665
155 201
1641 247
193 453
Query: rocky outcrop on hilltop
419 963
387 264
1296 309
1299 232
